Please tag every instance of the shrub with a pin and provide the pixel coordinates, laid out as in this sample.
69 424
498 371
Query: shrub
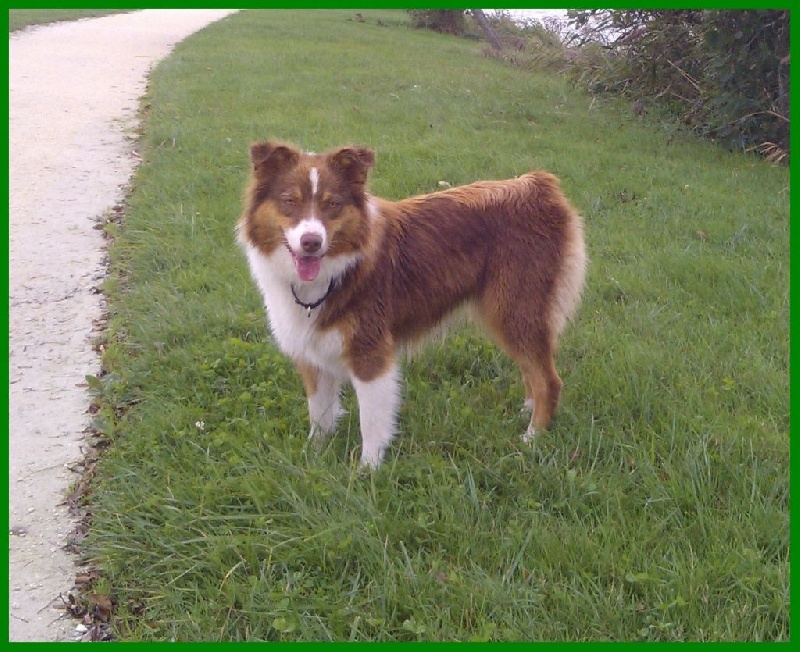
446 21
724 73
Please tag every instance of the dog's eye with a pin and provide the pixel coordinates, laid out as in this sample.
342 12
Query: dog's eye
332 205
288 202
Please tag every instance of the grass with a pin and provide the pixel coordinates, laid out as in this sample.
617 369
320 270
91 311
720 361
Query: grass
656 509
21 18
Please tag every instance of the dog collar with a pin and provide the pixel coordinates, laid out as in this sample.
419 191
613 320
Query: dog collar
310 306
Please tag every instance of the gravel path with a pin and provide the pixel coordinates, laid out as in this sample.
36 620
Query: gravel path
73 92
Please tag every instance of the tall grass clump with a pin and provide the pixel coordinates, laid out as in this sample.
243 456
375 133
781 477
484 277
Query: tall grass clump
657 508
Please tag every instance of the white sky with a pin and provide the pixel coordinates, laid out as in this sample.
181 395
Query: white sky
535 13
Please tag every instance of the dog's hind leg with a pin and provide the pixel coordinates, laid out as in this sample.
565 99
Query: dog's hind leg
531 345
541 376
527 406
515 309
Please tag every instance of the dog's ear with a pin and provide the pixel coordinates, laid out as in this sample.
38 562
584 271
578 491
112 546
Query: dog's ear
354 162
273 156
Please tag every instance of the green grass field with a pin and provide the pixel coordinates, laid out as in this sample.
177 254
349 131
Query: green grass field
20 18
656 509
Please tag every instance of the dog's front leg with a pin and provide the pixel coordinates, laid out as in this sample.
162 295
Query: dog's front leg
323 394
378 401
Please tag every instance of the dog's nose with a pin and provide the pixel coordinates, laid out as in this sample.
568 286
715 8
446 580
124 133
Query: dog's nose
311 242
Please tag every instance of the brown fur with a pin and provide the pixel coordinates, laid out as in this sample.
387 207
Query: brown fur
513 249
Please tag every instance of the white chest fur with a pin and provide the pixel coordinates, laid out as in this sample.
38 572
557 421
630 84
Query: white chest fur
293 327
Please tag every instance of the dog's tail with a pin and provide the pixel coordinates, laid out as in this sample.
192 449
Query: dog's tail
571 276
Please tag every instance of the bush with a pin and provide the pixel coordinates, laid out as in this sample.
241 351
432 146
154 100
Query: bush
446 21
725 73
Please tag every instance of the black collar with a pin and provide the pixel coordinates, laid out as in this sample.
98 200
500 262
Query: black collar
310 306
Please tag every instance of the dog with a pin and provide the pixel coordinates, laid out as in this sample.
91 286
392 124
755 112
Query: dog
350 280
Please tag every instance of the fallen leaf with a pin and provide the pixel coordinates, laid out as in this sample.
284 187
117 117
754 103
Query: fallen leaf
101 606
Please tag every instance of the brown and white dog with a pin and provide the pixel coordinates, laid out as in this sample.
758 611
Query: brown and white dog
349 279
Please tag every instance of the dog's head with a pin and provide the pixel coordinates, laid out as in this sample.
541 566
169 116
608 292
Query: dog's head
313 205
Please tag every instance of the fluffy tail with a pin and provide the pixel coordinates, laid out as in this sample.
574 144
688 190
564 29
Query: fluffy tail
572 275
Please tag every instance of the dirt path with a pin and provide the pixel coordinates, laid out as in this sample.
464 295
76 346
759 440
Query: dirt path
73 93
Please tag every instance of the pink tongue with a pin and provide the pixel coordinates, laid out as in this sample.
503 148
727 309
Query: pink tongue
307 267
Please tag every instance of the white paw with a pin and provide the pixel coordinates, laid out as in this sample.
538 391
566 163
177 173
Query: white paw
529 435
321 429
317 434
370 459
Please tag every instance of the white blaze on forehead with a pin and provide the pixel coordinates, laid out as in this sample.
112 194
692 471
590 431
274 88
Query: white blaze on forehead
307 226
314 176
